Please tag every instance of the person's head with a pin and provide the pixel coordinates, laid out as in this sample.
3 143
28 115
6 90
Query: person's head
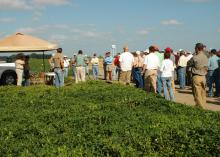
59 50
94 55
156 48
182 53
167 55
199 47
218 53
65 57
20 56
80 52
152 49
213 52
27 58
125 49
108 54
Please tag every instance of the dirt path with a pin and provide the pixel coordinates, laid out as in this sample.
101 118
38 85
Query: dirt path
186 97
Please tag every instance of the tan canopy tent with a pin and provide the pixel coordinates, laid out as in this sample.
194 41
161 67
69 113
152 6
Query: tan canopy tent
25 43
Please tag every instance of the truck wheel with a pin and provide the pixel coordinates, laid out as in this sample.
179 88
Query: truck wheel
9 78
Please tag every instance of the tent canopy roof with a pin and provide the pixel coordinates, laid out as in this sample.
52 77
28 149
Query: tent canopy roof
25 43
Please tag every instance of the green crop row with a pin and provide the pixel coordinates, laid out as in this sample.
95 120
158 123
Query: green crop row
98 119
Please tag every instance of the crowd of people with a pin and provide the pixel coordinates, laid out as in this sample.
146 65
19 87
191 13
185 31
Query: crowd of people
153 70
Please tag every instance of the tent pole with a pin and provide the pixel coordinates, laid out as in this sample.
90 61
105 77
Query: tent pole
43 61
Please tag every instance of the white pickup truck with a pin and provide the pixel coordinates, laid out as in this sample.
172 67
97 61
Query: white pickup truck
7 74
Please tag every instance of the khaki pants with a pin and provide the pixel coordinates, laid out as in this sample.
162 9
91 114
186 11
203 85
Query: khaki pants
80 74
125 77
19 73
151 81
199 90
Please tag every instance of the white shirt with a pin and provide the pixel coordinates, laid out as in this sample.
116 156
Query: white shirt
189 57
182 61
126 60
66 63
167 68
95 61
152 62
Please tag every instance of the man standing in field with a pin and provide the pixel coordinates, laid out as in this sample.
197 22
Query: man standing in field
199 64
126 62
150 68
80 67
57 59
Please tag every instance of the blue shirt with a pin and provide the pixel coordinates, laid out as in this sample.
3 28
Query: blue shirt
213 62
108 60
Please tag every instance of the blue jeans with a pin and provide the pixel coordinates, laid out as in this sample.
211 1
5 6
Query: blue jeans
95 71
167 88
74 71
59 78
159 84
182 77
138 77
211 80
217 81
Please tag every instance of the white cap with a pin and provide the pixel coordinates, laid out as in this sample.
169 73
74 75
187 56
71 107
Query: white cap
138 52
64 56
147 51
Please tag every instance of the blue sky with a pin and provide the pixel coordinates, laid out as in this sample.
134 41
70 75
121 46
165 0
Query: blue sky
94 25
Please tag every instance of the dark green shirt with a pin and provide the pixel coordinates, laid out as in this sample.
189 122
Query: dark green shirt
80 60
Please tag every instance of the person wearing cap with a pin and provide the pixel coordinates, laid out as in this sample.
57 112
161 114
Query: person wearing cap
109 66
19 67
126 62
150 68
212 68
182 63
58 62
137 69
95 66
80 67
199 64
167 69
172 58
66 65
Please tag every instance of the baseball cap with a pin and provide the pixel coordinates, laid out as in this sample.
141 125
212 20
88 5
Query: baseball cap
168 49
138 52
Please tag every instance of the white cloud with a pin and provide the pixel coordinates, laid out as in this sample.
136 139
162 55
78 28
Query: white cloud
7 20
14 5
50 2
171 22
30 4
42 29
198 1
87 33
58 38
144 31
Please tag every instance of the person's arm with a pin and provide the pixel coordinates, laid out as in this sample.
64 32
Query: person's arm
144 66
190 63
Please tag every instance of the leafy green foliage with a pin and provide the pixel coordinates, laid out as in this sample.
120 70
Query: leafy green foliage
98 119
